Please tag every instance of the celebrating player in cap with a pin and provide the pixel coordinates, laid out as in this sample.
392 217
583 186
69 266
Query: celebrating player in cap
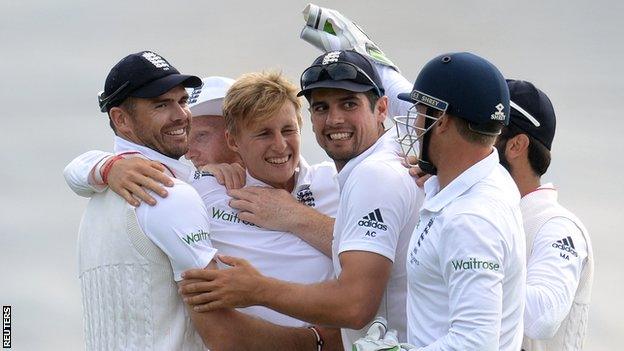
559 284
560 261
136 179
130 258
465 261
123 253
373 223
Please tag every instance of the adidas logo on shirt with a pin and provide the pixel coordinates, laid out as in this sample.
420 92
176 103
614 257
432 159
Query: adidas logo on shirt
566 244
373 220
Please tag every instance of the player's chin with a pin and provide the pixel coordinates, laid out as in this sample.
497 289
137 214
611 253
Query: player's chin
340 154
175 151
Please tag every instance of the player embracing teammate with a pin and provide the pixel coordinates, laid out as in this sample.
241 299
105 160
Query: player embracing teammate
452 271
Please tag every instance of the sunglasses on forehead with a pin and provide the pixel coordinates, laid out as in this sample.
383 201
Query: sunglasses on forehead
337 71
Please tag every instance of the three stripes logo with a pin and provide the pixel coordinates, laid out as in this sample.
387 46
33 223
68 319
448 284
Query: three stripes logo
566 244
373 220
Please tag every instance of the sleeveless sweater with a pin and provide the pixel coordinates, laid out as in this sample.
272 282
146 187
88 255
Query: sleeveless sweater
130 299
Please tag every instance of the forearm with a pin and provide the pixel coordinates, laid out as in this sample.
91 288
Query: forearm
332 338
314 228
329 303
394 84
350 301
225 329
79 173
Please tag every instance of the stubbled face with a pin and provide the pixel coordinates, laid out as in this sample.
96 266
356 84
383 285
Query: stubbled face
343 122
207 144
270 148
430 153
162 123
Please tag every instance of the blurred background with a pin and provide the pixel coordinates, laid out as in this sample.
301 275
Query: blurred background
55 56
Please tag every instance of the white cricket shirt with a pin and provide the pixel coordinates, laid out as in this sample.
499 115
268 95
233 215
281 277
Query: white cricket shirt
174 224
128 259
379 204
275 254
177 224
466 263
559 273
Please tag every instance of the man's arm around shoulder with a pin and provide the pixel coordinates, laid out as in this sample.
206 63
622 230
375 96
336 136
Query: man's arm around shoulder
227 329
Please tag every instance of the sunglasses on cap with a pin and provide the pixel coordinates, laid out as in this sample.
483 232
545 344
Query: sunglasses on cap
105 101
337 71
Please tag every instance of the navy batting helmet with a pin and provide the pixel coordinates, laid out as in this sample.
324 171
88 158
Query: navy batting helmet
466 86
460 84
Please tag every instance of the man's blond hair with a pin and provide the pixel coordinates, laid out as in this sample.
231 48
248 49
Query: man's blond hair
256 97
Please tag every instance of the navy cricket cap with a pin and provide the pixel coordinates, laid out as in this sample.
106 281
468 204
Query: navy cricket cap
532 112
345 69
466 86
144 74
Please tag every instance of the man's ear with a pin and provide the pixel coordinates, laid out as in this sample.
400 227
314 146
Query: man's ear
121 119
443 124
231 141
381 109
517 146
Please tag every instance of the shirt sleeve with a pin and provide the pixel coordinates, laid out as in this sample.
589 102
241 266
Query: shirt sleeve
374 215
209 190
178 225
79 173
394 84
471 256
553 274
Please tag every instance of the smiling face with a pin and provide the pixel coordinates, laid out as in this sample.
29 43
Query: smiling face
160 123
207 144
269 147
344 124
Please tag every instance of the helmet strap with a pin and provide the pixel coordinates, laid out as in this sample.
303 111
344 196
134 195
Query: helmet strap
423 161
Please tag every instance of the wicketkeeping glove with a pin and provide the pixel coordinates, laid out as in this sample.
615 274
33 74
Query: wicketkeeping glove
329 30
378 338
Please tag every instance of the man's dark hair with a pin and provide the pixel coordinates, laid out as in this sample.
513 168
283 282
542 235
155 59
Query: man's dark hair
129 105
538 154
372 98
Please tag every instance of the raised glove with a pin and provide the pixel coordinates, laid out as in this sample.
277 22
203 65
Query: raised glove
328 30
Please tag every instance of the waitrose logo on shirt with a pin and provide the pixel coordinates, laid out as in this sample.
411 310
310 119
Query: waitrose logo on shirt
229 217
193 238
472 263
